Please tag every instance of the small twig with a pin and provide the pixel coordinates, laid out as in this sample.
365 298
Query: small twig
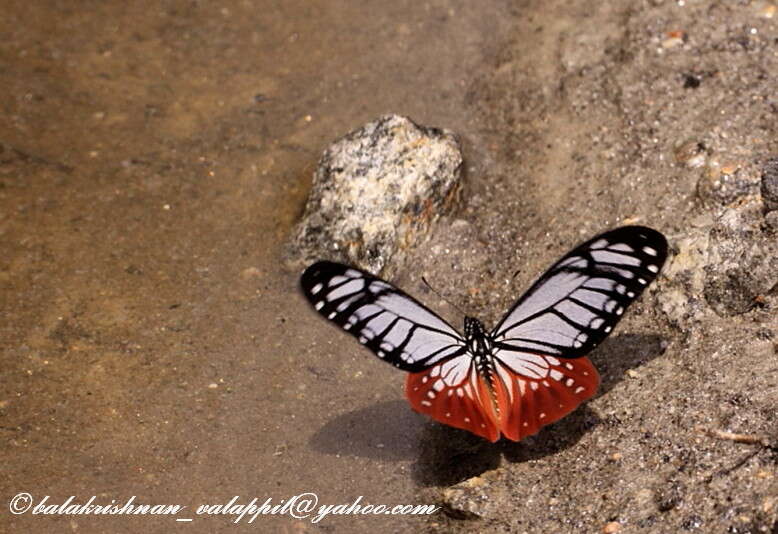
749 439
752 439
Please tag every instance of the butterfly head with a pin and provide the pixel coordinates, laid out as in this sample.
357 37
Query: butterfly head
473 327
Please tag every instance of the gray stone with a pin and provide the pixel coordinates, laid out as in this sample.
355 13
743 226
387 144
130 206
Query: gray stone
724 184
742 262
771 221
770 184
682 299
724 265
375 193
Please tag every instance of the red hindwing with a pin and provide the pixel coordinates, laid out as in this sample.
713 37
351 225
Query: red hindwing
515 405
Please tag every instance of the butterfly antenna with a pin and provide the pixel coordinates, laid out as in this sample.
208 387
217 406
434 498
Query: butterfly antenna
442 297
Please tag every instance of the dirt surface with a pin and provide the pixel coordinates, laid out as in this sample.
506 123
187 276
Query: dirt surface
154 158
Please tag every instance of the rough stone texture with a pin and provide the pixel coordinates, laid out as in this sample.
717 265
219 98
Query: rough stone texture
472 498
771 222
742 263
726 265
725 183
684 278
376 191
770 184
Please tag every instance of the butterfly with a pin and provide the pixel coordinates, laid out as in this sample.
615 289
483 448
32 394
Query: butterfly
531 369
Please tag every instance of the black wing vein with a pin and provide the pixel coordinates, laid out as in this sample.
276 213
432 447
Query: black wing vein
578 301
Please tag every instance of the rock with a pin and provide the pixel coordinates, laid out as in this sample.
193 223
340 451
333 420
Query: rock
723 182
375 193
770 184
771 221
682 298
724 264
690 154
471 499
742 261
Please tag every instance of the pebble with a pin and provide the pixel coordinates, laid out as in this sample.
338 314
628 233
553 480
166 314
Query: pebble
770 184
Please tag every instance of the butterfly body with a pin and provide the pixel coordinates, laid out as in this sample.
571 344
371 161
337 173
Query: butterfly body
531 369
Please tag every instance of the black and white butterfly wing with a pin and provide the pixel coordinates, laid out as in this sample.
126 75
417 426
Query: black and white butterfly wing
579 300
392 324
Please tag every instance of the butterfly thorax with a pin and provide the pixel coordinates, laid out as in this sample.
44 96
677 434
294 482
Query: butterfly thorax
480 344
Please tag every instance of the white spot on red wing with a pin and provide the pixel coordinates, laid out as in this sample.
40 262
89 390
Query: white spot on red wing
319 305
525 424
483 425
450 392
448 414
586 373
569 382
431 394
546 384
569 365
541 416
424 380
438 385
426 403
522 386
534 386
556 375
552 360
460 393
435 371
467 419
579 389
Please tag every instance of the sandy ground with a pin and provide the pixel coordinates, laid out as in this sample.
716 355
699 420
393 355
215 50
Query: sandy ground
155 156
